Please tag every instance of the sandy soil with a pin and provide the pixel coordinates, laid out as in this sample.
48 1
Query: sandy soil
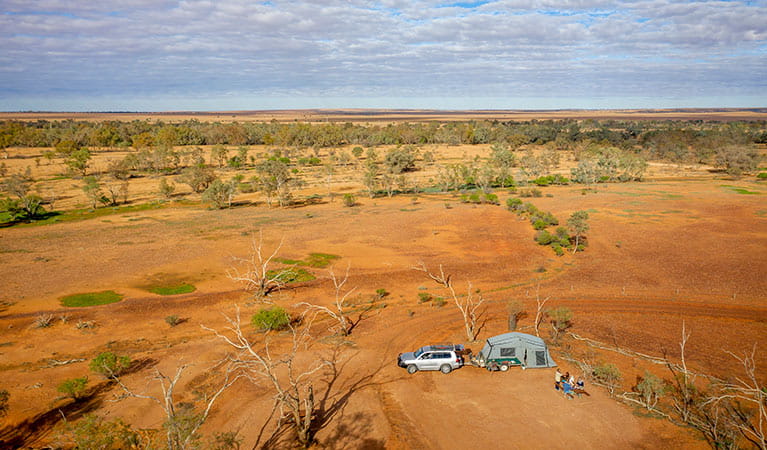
661 253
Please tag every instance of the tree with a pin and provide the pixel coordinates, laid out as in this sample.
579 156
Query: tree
339 310
220 194
401 159
167 189
539 309
275 179
78 160
516 311
607 375
578 225
254 271
198 177
469 305
293 386
650 388
369 179
25 206
92 189
737 159
561 320
183 419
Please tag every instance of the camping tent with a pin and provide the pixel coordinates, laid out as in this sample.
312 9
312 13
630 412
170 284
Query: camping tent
516 348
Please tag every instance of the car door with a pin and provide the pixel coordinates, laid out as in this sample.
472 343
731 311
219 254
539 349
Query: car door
427 361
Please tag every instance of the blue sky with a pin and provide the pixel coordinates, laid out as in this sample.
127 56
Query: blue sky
155 55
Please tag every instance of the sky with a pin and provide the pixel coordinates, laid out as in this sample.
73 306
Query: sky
167 55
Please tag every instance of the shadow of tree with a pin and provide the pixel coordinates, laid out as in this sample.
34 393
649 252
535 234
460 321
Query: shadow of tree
33 428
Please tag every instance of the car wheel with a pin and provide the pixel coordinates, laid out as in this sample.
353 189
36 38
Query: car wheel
504 367
411 369
445 368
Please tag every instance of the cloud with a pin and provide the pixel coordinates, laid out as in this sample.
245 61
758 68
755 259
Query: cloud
396 48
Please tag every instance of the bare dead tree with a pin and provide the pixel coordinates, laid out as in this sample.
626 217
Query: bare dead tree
293 390
683 401
339 311
469 305
254 271
539 311
751 425
180 426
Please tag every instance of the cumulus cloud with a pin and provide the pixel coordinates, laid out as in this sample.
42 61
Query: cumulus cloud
354 49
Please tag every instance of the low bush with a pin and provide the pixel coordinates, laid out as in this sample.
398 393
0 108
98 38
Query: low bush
172 320
349 200
274 318
74 388
424 297
108 364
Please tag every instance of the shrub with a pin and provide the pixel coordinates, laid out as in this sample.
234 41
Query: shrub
557 249
108 364
539 224
543 237
74 387
762 176
513 204
439 302
44 320
381 293
424 297
608 375
274 318
172 320
96 433
349 200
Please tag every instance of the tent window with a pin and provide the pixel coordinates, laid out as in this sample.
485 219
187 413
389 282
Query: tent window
508 352
540 358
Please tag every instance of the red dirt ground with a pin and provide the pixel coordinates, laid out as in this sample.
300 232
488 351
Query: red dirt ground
660 254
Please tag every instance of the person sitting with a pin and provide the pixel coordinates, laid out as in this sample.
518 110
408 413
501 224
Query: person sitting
567 388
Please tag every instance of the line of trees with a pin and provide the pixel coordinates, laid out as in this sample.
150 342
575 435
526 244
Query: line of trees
674 140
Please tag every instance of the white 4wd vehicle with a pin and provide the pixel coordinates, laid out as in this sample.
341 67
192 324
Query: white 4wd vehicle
444 358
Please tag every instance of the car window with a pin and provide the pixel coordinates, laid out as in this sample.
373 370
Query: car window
418 352
426 356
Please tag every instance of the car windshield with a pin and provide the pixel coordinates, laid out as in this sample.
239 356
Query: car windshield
419 352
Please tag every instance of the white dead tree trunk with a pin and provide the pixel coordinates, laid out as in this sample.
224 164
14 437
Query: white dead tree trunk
293 391
539 304
338 311
181 432
747 390
469 305
253 271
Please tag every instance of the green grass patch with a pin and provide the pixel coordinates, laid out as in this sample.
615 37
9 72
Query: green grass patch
91 299
318 260
762 213
291 275
740 190
176 289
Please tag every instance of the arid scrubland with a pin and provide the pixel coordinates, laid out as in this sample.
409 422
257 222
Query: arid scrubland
230 284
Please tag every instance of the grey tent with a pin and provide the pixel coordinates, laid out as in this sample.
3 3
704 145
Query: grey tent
515 349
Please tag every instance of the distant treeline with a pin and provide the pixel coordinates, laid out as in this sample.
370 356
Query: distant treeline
662 139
